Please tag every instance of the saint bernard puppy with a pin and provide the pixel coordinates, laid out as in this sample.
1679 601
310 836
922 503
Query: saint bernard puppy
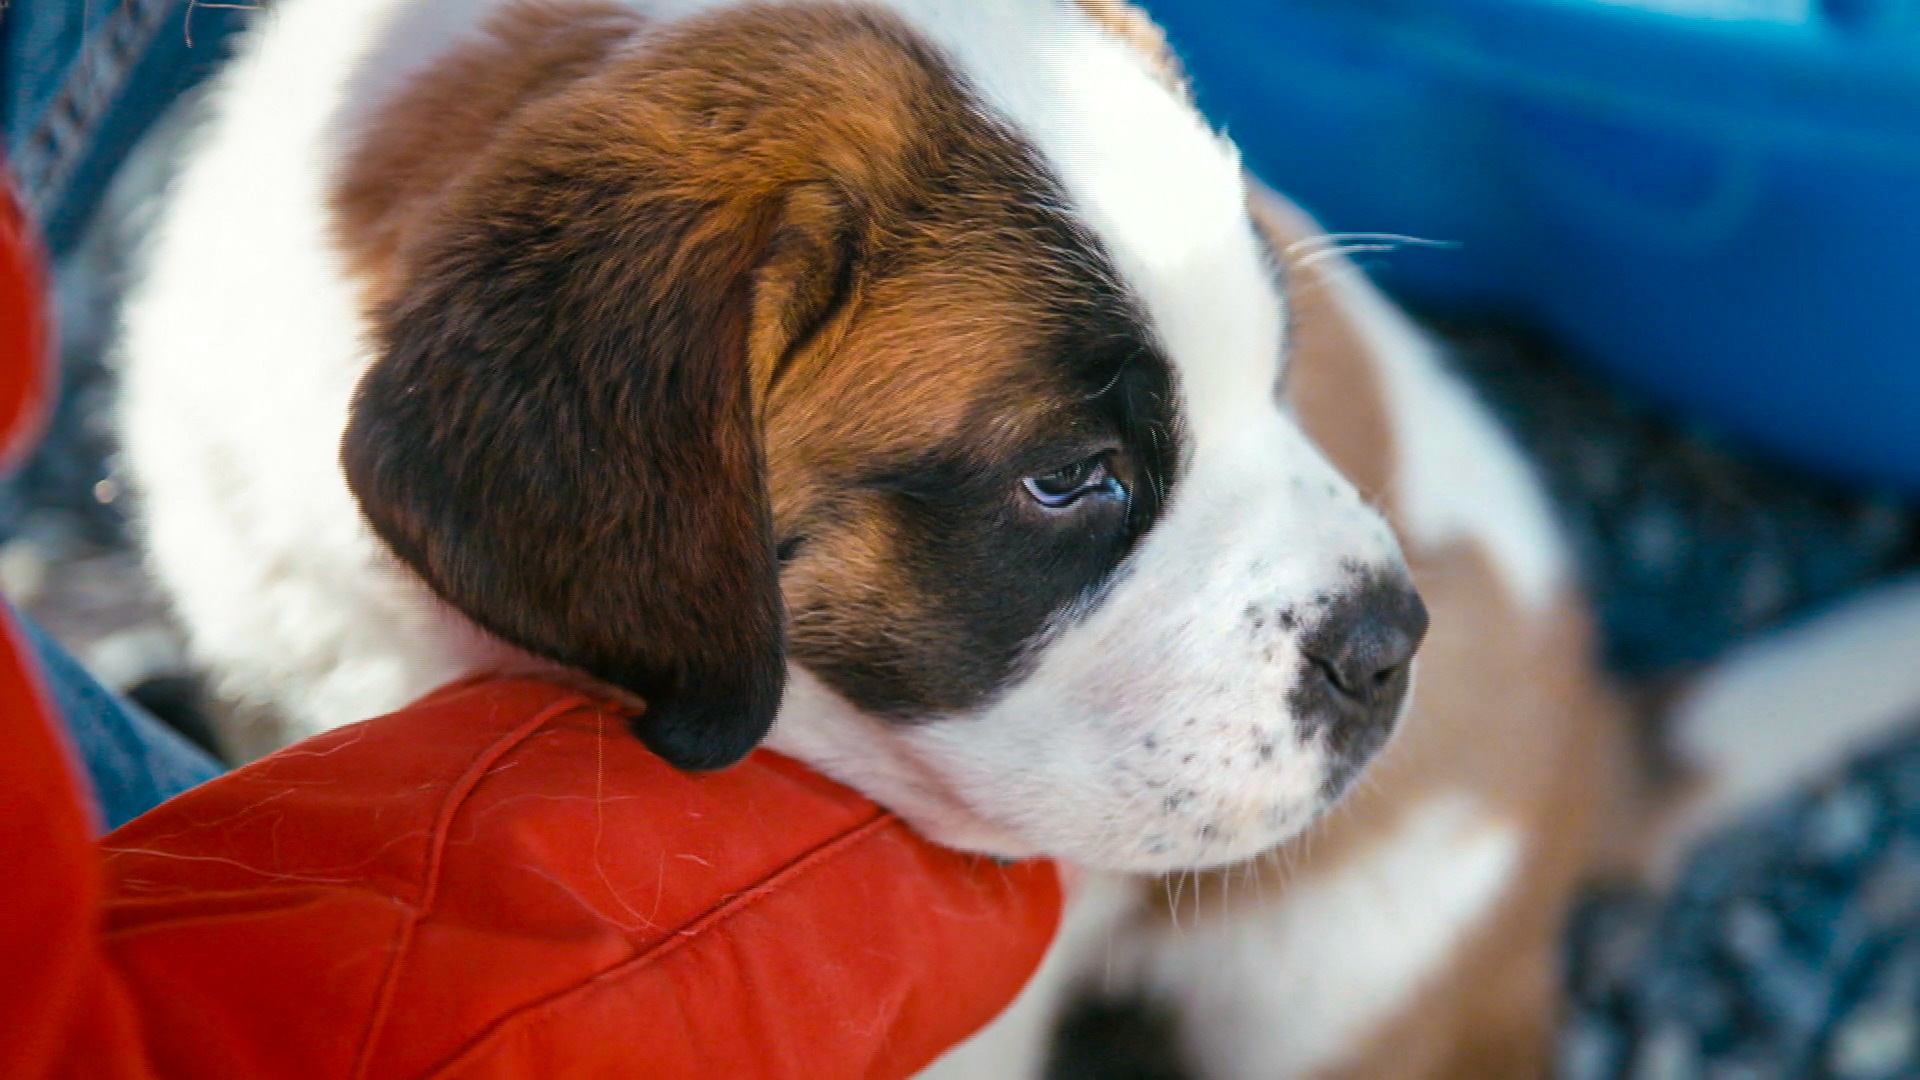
920 387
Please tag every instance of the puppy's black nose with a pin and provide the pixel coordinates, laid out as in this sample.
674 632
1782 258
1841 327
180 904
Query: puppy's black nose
1364 646
1359 662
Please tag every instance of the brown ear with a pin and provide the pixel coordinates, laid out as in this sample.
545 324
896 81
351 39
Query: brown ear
560 434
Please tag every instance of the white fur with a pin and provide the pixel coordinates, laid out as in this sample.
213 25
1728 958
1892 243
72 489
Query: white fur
243 345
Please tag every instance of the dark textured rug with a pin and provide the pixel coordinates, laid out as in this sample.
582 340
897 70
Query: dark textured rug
1787 949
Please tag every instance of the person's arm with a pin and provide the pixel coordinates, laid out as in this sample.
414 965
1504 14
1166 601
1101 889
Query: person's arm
500 881
65 1012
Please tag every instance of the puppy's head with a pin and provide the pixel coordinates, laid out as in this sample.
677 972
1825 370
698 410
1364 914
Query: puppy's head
928 355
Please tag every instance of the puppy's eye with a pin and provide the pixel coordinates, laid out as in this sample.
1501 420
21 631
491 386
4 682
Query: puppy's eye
1062 488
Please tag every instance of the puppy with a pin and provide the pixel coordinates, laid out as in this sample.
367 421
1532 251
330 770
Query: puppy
919 387
919 358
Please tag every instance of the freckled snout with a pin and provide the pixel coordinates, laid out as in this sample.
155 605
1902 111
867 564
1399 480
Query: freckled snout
1359 663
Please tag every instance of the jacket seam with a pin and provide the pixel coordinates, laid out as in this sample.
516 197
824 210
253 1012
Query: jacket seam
456 798
734 905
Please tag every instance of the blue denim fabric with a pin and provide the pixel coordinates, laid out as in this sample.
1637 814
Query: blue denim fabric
81 81
134 761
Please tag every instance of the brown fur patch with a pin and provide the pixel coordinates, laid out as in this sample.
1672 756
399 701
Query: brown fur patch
444 122
676 300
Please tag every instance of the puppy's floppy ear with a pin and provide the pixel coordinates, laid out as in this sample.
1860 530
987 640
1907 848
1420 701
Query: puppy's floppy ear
560 432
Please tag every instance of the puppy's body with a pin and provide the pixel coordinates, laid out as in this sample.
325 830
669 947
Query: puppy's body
923 355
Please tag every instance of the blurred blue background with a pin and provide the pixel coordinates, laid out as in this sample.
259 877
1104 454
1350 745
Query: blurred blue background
1724 212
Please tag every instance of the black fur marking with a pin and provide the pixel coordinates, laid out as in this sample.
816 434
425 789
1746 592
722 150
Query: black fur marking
996 572
1117 1039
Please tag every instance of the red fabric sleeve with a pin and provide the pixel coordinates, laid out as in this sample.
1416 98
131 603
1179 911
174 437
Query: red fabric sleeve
56 992
26 368
500 882
497 881
65 1012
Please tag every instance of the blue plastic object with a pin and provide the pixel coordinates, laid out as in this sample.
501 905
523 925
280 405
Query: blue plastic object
1726 214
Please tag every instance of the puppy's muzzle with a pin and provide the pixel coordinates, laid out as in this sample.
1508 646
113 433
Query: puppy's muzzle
1359 663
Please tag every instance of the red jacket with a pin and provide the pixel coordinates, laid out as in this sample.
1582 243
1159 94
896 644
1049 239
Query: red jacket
496 881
